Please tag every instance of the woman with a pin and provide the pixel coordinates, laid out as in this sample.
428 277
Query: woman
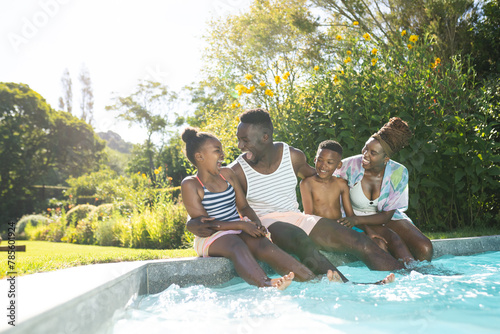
379 194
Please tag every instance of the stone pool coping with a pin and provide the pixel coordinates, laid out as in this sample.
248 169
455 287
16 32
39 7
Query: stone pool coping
81 299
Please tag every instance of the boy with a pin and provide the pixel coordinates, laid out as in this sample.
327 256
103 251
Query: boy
322 192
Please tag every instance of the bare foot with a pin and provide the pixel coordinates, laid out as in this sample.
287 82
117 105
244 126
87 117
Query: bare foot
389 279
283 282
333 276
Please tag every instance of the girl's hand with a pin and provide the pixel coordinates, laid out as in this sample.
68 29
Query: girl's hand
348 221
258 224
252 229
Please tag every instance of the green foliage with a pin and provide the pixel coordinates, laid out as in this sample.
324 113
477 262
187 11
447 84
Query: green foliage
34 220
147 106
47 256
453 156
79 213
158 224
483 40
38 145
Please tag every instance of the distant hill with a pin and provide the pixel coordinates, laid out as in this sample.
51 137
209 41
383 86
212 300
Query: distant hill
116 142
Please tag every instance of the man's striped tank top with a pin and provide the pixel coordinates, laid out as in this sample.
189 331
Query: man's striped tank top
275 192
222 205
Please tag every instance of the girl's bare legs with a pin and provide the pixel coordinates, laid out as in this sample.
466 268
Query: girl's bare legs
232 247
418 244
282 262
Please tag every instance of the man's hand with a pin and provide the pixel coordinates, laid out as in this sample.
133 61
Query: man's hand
202 226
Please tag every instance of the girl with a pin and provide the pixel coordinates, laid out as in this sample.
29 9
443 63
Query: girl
215 192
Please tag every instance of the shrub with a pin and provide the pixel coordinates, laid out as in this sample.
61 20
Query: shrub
34 220
79 212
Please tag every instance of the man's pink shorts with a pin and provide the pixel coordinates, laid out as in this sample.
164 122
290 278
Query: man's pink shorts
304 221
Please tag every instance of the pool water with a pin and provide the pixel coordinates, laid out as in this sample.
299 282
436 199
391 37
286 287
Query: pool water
459 294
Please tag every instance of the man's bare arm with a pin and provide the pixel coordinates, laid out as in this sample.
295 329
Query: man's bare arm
300 165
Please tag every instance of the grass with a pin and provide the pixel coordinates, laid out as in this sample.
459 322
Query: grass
41 256
463 233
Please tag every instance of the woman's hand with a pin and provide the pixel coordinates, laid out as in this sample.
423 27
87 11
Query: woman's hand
348 221
377 238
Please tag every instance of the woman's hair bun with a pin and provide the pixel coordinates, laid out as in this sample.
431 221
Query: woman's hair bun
188 134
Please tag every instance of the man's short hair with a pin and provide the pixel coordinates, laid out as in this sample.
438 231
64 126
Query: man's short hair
257 117
331 145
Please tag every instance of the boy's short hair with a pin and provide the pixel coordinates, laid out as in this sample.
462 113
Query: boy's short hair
257 117
331 145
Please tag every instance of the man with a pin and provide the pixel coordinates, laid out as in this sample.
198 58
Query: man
268 174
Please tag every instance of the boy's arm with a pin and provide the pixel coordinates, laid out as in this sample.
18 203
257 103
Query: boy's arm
346 199
300 165
306 194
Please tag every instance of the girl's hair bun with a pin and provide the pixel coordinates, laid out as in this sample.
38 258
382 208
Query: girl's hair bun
188 134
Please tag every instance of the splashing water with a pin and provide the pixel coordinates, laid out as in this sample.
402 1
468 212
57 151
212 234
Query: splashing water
454 293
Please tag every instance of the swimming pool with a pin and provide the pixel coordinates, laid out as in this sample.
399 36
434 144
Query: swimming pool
458 293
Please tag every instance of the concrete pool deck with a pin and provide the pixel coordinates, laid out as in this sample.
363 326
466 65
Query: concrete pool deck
82 299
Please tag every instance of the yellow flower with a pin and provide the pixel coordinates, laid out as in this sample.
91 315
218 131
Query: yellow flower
335 79
413 38
262 84
251 89
374 51
410 46
277 79
138 173
342 72
438 61
157 171
316 67
143 175
233 105
248 76
286 75
169 178
347 60
349 52
367 36
355 23
237 105
403 32
374 61
339 38
269 92
432 65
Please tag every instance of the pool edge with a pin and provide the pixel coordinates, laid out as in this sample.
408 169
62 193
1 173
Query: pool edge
86 312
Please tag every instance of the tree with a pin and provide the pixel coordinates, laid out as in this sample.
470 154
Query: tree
273 39
384 20
147 107
38 145
66 100
483 40
87 96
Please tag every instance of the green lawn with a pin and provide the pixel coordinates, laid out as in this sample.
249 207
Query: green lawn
43 256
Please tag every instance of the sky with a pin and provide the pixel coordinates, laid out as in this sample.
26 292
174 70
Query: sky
120 42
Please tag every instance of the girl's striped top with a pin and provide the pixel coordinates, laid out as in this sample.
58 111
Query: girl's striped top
275 192
222 205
